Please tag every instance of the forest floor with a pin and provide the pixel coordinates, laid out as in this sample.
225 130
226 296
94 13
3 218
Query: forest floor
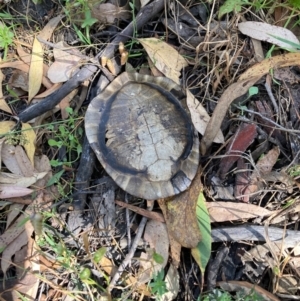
69 232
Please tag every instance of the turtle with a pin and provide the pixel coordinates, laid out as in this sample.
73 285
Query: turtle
141 131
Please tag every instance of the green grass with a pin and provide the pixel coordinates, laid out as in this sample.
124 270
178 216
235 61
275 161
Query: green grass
66 135
79 12
6 38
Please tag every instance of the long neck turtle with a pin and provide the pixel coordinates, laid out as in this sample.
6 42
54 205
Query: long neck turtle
141 131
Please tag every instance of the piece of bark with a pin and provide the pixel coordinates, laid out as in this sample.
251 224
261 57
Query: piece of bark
256 233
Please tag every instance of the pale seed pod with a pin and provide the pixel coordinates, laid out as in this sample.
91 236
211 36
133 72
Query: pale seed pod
110 66
103 61
121 48
124 58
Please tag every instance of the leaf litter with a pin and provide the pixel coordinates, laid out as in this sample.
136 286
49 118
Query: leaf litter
256 167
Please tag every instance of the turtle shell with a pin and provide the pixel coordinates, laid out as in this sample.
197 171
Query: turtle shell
141 131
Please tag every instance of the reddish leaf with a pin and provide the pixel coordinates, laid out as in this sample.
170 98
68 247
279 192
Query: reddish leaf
237 146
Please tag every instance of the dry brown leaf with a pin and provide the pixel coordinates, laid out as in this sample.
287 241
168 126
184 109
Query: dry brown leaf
175 247
13 212
106 13
181 216
157 236
6 126
3 105
12 232
268 33
42 164
258 50
31 265
238 144
9 291
24 67
263 172
231 211
12 248
48 91
30 137
266 163
26 282
65 103
36 69
282 177
165 58
17 180
172 284
154 70
9 159
65 64
242 181
8 191
263 68
24 162
26 57
286 75
19 79
47 31
200 117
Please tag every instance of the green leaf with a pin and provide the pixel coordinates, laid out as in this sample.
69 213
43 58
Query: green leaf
295 3
50 240
53 142
99 254
253 91
69 110
88 21
55 163
55 178
202 252
230 6
158 286
296 46
62 130
158 258
85 274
